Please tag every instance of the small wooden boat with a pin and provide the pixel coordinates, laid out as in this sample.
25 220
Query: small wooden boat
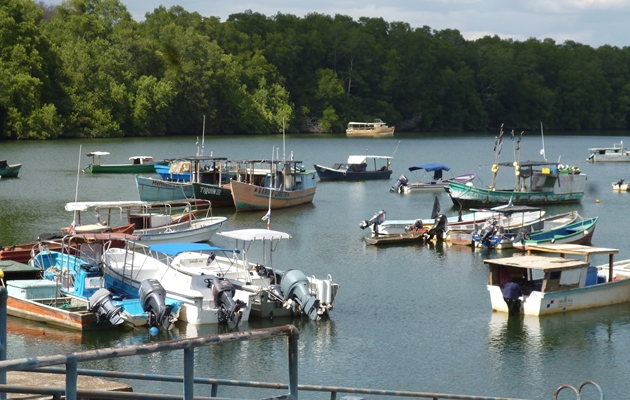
9 170
579 232
435 184
418 236
139 164
286 184
617 153
52 241
377 128
362 167
542 285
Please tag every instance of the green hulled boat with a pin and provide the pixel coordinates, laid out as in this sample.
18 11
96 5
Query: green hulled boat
9 170
139 164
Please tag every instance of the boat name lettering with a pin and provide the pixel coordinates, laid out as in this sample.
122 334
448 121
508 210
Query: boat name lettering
566 300
159 183
213 191
265 192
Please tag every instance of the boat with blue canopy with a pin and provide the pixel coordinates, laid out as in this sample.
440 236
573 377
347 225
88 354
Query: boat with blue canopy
435 183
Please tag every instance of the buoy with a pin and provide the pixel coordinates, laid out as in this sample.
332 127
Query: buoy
597 201
153 331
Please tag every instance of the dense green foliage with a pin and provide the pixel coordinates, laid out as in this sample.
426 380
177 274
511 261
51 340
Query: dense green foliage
87 69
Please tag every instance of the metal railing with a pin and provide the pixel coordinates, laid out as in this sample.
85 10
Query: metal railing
44 364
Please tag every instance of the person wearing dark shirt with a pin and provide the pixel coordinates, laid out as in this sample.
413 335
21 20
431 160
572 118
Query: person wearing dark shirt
511 294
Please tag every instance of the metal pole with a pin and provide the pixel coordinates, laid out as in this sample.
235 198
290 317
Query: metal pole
293 364
71 379
3 335
189 373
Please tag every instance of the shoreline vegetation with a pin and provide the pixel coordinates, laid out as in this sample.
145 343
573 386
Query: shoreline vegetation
86 69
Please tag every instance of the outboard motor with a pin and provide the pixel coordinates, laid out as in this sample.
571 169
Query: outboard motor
294 285
439 227
101 305
416 226
485 236
375 221
153 299
400 183
223 292
521 236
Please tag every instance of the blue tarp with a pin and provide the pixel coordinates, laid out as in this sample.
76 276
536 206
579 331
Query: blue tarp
173 249
431 167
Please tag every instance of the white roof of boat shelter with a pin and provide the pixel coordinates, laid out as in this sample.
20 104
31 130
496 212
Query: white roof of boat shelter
251 235
97 153
361 159
86 205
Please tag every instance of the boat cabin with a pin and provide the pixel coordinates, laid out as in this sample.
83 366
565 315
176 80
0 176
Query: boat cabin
539 285
96 156
139 160
542 176
281 175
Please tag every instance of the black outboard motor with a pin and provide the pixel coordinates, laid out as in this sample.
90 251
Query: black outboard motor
485 236
439 227
223 292
376 220
294 285
101 305
153 299
400 183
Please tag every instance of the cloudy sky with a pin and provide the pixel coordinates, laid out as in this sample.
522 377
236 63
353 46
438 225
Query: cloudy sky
592 22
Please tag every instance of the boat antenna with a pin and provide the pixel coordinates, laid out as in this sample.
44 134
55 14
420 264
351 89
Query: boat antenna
267 216
498 143
203 134
76 194
542 135
284 157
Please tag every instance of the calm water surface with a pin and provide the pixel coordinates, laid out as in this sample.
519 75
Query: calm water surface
413 318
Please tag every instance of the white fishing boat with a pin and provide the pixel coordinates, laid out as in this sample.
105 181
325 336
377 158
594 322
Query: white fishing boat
155 222
541 285
207 299
279 293
617 153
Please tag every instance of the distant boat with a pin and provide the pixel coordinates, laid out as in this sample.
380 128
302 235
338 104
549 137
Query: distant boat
621 186
361 167
9 170
153 189
435 184
139 164
617 153
377 128
285 184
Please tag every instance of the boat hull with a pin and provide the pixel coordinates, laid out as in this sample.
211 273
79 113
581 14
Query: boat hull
376 132
11 171
219 196
199 230
121 168
252 197
150 189
538 303
75 317
577 233
329 174
470 196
